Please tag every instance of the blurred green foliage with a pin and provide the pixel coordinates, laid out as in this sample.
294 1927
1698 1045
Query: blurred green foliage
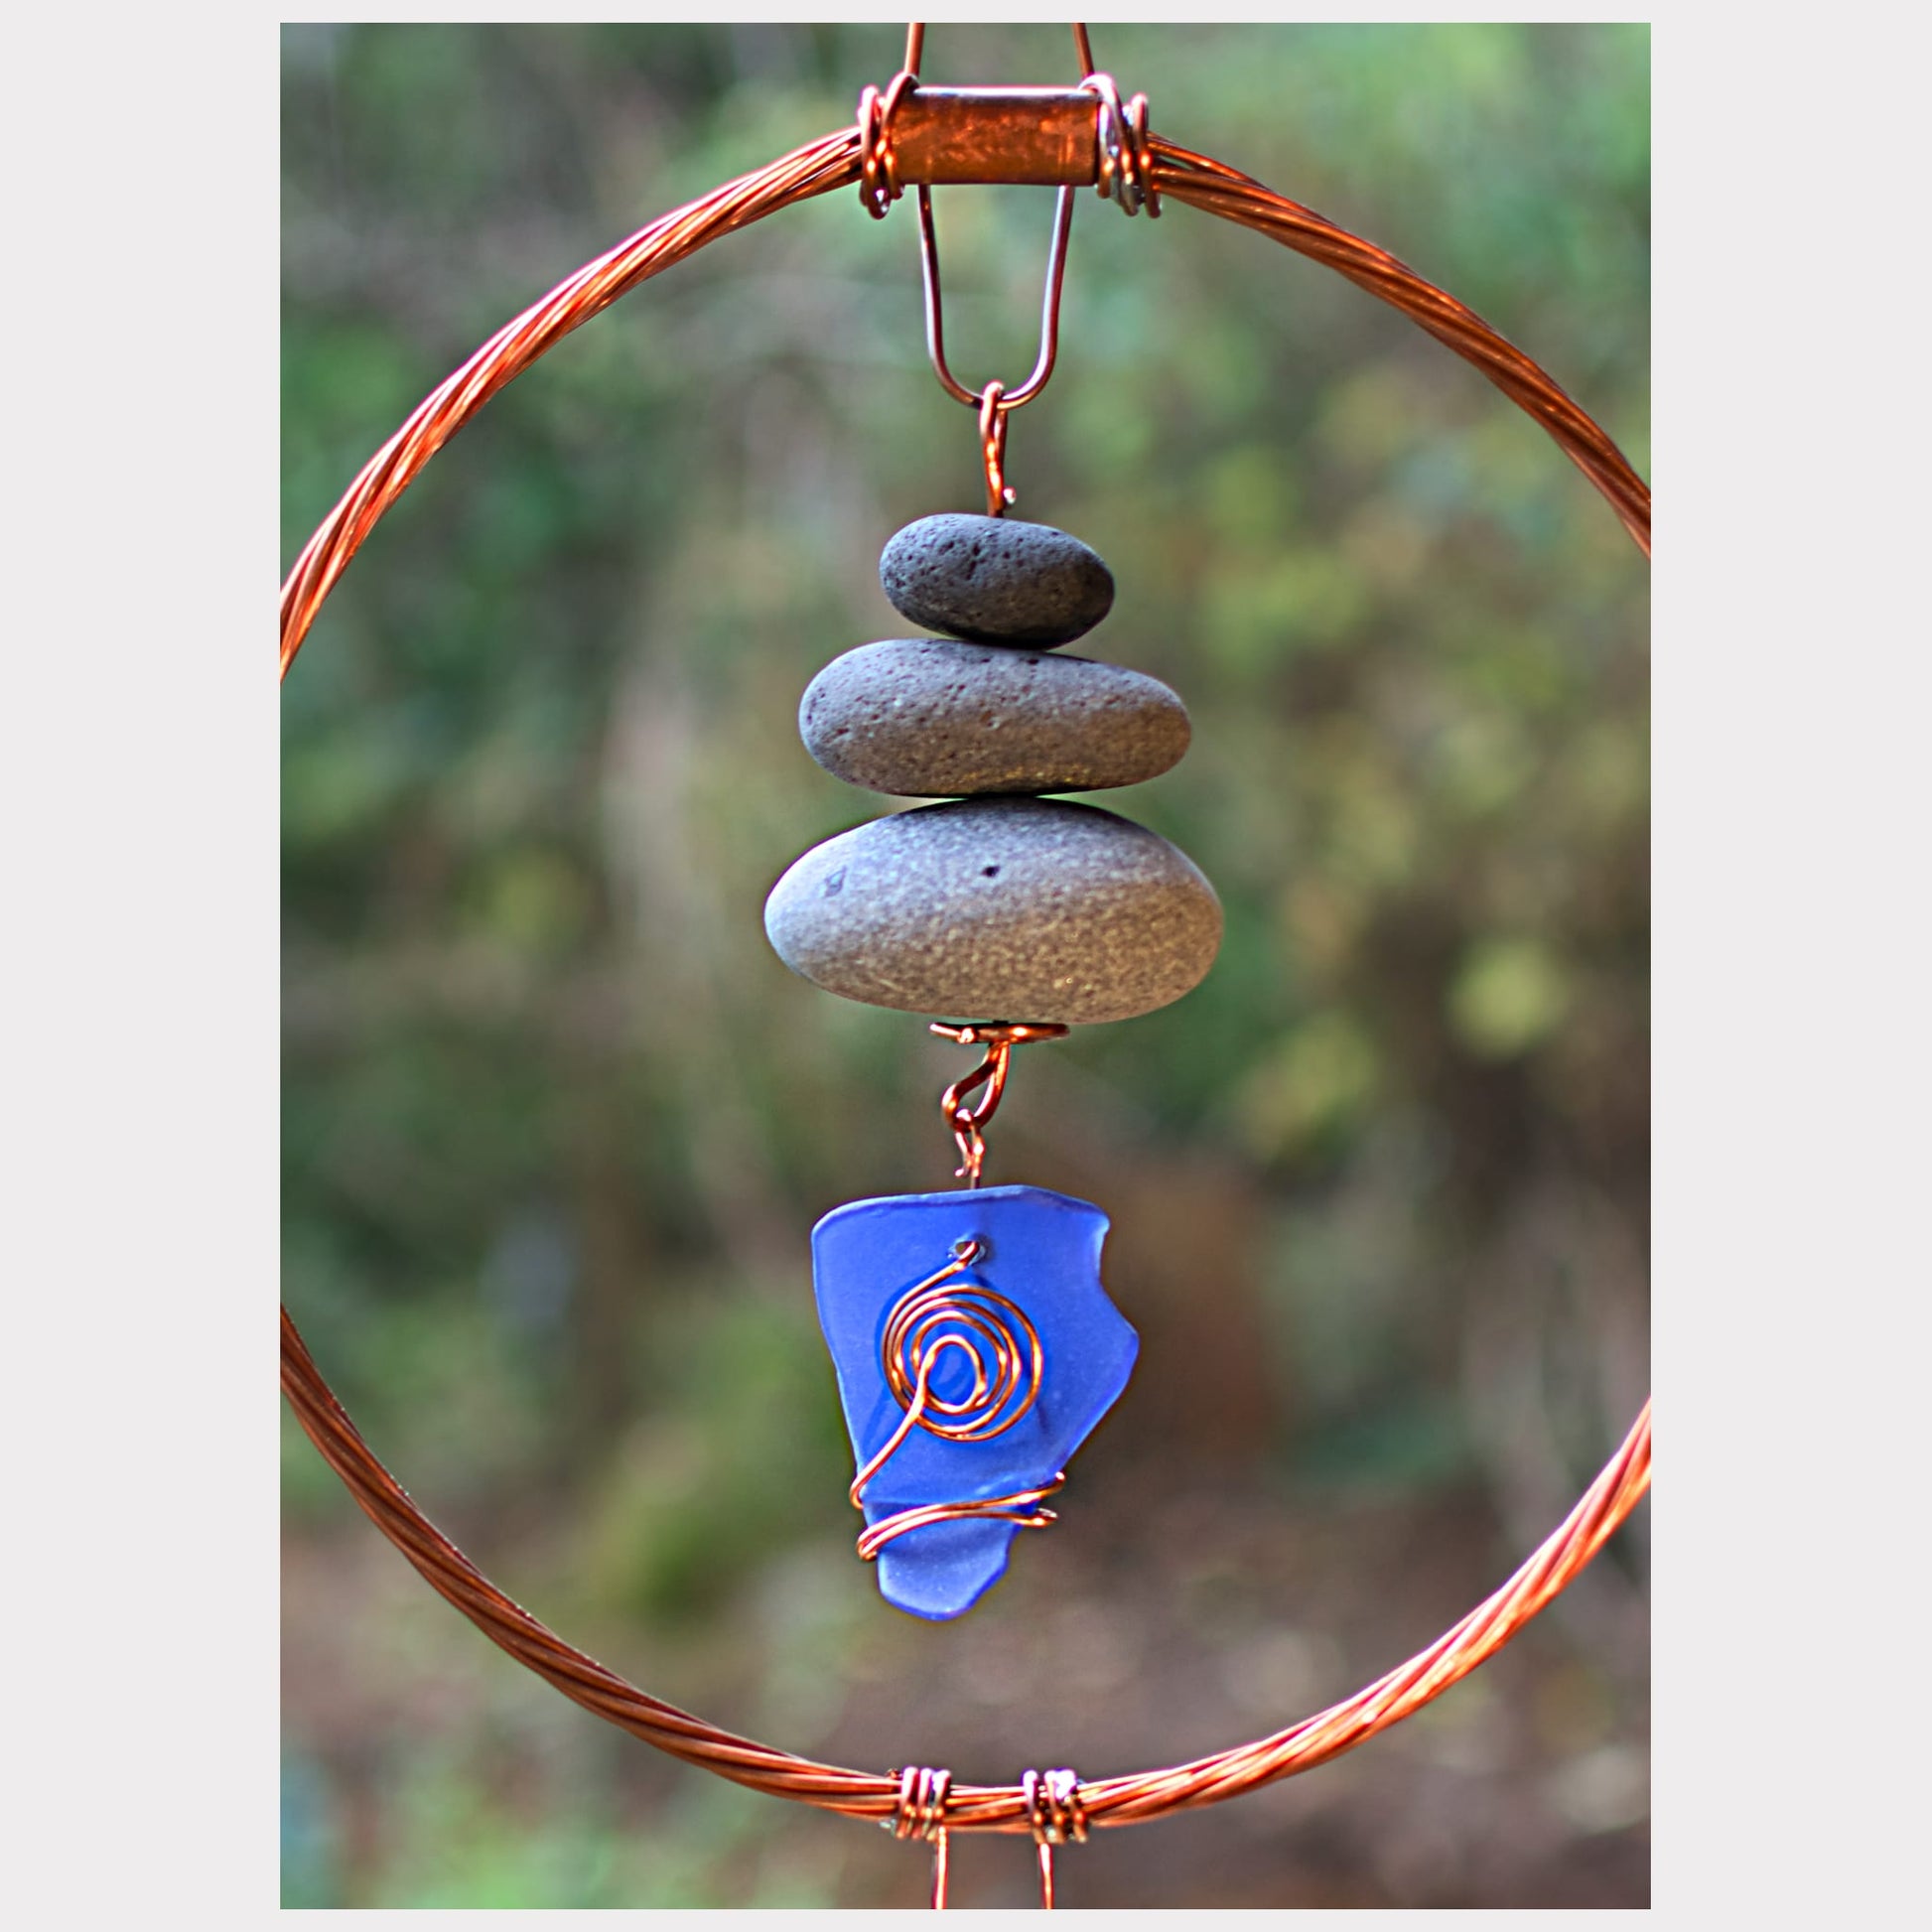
556 1120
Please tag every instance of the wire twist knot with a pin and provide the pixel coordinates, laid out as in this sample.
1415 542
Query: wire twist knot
1054 1813
1126 148
878 183
1054 1816
920 1812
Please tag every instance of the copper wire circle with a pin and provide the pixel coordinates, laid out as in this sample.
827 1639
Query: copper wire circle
833 162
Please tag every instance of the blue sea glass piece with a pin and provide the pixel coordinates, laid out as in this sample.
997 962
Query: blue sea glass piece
1038 1270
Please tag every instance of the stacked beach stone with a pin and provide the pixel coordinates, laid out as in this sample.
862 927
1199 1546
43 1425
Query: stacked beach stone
1006 903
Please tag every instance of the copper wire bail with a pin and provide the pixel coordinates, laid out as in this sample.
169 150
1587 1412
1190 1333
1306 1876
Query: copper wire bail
1056 1816
921 1813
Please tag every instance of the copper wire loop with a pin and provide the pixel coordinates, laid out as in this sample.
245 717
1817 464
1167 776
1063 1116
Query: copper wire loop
821 167
1000 1349
915 1334
999 1037
1049 311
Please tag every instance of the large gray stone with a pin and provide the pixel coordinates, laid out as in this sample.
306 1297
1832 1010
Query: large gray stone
995 580
935 718
999 909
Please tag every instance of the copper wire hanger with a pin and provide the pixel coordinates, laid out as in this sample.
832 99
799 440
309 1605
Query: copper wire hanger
995 401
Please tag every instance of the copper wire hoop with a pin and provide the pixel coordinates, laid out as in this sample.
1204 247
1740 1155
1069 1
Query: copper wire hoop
830 163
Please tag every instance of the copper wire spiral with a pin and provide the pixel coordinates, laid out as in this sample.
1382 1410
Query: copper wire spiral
834 162
1001 1351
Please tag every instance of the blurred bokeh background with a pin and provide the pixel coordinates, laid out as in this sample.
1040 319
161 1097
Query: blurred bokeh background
557 1122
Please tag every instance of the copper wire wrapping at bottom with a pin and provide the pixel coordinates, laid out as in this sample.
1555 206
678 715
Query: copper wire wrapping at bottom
1001 1349
1056 1816
921 1813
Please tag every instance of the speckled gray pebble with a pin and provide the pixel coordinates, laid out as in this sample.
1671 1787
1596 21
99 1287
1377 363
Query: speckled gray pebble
935 718
999 909
995 580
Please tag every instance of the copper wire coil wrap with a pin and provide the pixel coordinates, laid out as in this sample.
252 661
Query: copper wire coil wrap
1126 169
925 1325
921 1813
828 163
879 181
1055 1814
921 1807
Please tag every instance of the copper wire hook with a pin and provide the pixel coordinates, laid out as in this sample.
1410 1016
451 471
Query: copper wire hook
993 448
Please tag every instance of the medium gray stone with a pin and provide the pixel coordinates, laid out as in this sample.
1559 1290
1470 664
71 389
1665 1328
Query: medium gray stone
935 718
999 909
995 580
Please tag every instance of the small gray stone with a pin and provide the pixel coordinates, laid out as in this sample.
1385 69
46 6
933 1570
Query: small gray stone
934 718
999 909
995 580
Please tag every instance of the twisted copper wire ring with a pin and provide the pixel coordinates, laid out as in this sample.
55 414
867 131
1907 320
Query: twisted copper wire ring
830 163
